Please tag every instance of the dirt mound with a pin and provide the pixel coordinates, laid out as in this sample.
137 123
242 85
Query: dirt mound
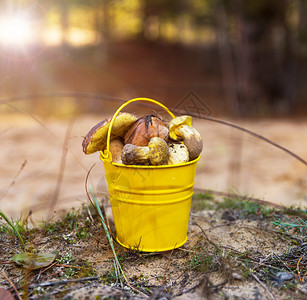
233 252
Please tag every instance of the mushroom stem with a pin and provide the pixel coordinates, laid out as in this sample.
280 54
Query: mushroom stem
178 154
156 153
116 148
132 154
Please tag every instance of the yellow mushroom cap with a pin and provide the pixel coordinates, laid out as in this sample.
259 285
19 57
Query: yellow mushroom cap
96 138
180 129
175 123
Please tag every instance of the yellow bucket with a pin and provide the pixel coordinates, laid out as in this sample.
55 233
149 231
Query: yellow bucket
150 204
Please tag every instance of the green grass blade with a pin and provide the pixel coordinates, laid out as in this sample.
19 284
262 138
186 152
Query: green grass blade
15 230
106 230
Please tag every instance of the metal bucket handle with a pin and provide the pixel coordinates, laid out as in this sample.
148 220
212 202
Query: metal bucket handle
106 155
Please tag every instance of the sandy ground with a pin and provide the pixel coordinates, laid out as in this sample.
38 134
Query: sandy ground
231 161
228 255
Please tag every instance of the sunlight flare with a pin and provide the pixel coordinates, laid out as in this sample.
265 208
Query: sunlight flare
16 30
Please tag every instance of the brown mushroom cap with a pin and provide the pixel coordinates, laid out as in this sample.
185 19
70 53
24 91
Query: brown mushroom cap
192 140
180 129
96 139
146 128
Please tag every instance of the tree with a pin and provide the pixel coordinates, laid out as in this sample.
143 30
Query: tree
261 54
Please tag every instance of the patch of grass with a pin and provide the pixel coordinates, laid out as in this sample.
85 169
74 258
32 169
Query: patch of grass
50 226
246 208
207 201
16 227
73 226
85 270
70 272
202 201
202 260
110 277
82 233
246 272
66 259
295 211
71 218
89 271
138 277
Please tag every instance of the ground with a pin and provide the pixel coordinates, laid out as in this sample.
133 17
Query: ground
233 251
229 254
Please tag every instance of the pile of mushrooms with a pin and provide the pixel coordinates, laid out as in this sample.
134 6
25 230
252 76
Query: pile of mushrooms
148 140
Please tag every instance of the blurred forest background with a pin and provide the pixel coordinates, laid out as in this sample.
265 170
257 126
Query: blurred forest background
241 58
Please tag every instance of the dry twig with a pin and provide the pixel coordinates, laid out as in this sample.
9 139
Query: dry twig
12 284
301 279
53 283
14 179
166 267
263 285
58 186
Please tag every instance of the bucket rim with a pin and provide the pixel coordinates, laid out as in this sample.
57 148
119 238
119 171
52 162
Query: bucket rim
152 167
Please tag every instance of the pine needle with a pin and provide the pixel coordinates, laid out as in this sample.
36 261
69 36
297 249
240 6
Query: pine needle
296 225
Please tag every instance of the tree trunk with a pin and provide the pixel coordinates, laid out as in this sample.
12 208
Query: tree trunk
64 15
103 27
226 60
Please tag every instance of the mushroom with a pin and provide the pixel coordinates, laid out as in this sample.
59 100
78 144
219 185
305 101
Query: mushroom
116 148
180 129
146 128
178 153
96 139
156 153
